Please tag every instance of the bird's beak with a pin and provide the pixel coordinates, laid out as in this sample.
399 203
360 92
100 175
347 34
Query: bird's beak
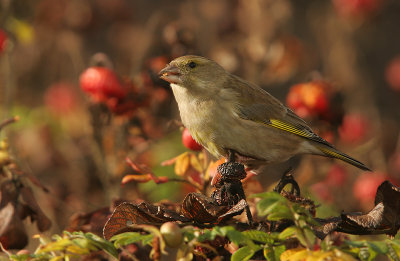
171 74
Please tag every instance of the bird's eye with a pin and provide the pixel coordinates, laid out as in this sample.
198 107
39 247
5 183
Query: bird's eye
192 64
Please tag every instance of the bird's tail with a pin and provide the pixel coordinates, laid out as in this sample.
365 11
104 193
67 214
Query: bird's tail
334 153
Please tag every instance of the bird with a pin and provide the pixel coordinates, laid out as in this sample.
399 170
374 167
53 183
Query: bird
233 118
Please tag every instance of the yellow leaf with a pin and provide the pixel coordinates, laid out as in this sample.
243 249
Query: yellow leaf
195 163
295 254
182 164
302 254
55 246
343 256
78 250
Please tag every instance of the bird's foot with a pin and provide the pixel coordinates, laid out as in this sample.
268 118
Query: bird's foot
231 155
286 179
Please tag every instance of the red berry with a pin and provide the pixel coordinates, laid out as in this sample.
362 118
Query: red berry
293 99
60 98
101 84
172 234
189 142
3 40
308 99
353 129
392 74
366 184
357 8
337 176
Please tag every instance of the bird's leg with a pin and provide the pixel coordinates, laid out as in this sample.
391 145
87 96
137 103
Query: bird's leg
231 155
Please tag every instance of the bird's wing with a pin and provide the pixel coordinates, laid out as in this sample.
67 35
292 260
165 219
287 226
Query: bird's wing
257 105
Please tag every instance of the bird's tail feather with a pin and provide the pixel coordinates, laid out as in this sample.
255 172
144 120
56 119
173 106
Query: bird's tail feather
332 152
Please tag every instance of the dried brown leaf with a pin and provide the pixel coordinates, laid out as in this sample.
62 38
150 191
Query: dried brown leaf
128 214
384 218
43 222
201 208
12 230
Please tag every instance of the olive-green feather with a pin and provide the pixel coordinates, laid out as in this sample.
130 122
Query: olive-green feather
267 112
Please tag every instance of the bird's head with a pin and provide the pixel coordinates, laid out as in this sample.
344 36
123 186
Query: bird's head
193 72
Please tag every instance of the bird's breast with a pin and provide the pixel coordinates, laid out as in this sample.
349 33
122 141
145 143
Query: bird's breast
205 117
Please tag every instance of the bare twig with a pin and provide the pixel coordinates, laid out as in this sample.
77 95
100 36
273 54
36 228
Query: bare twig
8 121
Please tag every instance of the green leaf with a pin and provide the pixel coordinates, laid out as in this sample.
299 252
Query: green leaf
238 238
271 202
188 232
392 253
155 232
127 238
301 238
78 250
309 235
258 236
378 247
83 243
270 194
356 244
233 235
274 253
208 234
368 250
55 246
288 232
364 254
244 253
281 212
18 257
372 254
102 244
148 239
259 195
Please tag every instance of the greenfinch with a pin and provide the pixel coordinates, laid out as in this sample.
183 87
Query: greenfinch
231 117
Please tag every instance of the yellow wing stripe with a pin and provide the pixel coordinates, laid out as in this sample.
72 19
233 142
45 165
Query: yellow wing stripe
333 154
290 128
343 157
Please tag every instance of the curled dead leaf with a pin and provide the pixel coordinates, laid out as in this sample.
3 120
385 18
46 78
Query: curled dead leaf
12 230
384 218
127 214
43 222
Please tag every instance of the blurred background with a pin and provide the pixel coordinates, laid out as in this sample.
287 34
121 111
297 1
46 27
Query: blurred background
336 63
